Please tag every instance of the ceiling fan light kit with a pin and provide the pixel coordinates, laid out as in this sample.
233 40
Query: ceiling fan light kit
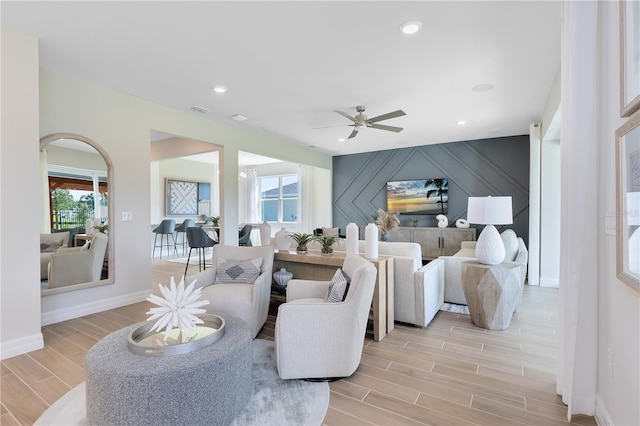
361 122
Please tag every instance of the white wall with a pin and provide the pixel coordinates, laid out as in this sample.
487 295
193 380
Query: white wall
550 213
20 177
121 124
618 304
193 171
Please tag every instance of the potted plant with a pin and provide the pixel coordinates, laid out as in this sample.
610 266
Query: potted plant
302 238
327 241
215 220
102 228
414 221
386 222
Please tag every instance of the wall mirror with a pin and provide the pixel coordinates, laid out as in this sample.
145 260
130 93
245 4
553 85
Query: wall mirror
628 202
76 241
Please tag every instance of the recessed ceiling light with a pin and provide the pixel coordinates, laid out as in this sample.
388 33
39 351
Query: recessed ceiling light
219 89
341 139
461 122
410 27
239 117
482 87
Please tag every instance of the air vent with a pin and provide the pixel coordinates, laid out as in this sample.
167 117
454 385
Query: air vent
199 109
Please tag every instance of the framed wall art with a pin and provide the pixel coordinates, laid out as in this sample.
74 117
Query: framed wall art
629 57
628 202
182 198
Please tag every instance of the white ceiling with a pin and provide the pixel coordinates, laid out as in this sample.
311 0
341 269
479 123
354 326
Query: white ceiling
288 65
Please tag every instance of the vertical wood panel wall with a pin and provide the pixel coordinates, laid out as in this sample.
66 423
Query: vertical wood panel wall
474 168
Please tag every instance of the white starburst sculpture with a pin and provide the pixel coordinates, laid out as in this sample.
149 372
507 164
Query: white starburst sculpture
177 309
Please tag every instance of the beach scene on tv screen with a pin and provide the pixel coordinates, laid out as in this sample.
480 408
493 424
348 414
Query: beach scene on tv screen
410 196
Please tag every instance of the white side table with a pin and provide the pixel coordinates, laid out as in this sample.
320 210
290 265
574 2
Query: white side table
491 292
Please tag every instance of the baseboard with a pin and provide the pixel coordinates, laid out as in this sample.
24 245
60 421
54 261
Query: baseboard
549 282
22 345
59 315
602 414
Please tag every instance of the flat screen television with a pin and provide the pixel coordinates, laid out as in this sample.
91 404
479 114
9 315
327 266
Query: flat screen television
418 196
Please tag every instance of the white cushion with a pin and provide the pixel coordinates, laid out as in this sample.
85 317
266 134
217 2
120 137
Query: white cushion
510 241
337 288
243 271
330 231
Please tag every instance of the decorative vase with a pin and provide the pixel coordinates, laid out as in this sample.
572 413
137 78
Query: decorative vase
384 237
265 234
443 222
371 241
326 251
462 223
282 277
352 238
301 248
283 239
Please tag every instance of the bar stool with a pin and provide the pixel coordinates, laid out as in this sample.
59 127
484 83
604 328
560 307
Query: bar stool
199 240
166 228
182 229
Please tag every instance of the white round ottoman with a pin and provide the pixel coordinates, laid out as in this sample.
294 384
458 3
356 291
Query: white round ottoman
208 386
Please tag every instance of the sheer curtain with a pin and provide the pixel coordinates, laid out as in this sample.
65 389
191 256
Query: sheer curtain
305 210
252 212
45 209
577 357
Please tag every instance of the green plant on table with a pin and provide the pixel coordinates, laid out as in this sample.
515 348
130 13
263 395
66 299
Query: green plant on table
327 242
302 239
102 228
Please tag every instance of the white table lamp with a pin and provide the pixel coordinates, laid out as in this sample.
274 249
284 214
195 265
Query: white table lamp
490 211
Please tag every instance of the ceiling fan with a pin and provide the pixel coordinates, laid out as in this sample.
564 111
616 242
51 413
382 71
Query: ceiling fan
361 122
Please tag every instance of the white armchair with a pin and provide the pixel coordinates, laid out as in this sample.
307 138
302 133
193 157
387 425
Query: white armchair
417 297
247 301
319 339
76 265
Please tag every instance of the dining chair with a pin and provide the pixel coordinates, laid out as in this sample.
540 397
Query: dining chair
182 229
165 229
199 240
244 235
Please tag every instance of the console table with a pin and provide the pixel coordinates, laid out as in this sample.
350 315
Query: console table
491 292
315 266
434 241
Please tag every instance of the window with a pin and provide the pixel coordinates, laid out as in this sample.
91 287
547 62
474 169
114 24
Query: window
279 198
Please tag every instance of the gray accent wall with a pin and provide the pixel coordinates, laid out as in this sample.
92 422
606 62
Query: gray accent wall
474 168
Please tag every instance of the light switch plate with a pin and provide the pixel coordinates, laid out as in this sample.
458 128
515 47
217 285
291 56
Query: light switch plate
610 223
127 216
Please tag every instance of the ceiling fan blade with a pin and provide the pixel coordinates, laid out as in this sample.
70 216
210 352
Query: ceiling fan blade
394 114
345 115
353 134
383 127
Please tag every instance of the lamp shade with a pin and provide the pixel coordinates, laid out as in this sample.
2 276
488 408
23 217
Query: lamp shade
490 211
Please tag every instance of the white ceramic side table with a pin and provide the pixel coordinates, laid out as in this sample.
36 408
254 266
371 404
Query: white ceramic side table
491 292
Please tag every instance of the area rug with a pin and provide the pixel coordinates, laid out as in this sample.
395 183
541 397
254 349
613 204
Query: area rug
456 309
274 401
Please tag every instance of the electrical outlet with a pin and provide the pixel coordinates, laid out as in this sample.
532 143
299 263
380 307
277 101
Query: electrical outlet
610 362
127 217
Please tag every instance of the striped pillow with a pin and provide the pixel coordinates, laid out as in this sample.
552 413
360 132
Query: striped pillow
243 271
338 287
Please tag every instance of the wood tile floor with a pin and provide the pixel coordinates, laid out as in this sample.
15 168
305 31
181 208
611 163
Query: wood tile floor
449 373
